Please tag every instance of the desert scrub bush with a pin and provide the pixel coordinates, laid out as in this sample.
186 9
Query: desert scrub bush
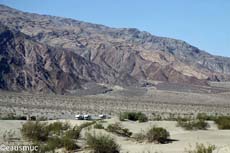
35 131
223 122
157 135
204 116
69 144
98 126
119 130
133 116
52 144
201 148
56 142
192 124
73 133
51 136
142 118
58 127
102 143
123 116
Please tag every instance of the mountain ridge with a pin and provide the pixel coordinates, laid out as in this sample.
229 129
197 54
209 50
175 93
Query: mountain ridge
125 53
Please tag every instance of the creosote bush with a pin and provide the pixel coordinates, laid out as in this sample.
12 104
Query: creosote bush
119 130
69 143
50 137
73 133
204 116
223 122
102 143
53 143
35 131
158 135
201 148
192 124
133 116
58 127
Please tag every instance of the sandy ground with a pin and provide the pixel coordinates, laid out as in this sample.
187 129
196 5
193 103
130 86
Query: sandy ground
12 127
183 139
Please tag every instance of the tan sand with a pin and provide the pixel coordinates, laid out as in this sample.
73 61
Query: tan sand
183 139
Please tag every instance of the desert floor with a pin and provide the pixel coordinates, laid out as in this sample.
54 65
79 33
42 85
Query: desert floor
163 100
183 139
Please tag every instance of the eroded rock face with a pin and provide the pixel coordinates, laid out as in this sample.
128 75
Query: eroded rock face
40 52
29 65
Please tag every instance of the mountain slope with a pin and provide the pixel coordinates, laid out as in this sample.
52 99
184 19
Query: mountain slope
28 65
123 54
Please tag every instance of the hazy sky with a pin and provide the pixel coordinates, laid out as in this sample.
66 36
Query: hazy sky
202 23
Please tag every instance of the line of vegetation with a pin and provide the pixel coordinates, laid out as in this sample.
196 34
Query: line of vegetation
22 117
133 116
13 117
204 116
175 117
223 122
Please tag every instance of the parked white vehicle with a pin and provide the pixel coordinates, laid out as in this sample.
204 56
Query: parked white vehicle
87 117
102 116
79 117
91 117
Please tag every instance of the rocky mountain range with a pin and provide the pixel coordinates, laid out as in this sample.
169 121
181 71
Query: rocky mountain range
54 54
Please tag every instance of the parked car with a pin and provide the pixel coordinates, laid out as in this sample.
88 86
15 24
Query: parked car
79 117
87 117
102 116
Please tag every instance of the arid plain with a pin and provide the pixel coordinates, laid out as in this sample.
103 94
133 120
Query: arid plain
149 100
